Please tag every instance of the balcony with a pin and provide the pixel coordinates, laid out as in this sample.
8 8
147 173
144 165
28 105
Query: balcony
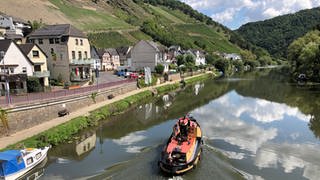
41 74
82 61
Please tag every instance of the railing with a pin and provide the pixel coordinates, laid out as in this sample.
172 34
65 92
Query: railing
52 96
41 74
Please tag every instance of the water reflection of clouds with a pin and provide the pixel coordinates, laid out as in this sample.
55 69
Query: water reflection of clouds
260 110
130 139
291 156
222 119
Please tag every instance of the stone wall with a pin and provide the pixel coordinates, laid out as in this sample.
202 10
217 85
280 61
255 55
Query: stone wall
31 115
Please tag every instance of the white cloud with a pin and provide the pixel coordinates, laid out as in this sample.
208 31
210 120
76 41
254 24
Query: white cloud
290 157
249 10
131 138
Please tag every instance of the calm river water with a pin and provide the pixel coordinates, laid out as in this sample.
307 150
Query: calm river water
256 126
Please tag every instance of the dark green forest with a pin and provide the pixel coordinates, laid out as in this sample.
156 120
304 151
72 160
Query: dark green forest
276 34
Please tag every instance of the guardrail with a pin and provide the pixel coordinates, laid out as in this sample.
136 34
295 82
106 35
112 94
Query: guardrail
29 98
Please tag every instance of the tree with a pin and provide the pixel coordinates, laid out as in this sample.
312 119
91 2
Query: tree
265 60
36 25
190 59
159 68
180 60
304 56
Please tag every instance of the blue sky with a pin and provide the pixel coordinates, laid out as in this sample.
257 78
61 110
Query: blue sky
234 13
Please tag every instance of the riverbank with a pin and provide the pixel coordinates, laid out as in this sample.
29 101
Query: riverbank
62 129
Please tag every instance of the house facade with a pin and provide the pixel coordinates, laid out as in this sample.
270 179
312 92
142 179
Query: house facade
105 60
232 56
146 54
39 59
68 52
124 55
115 58
15 67
96 59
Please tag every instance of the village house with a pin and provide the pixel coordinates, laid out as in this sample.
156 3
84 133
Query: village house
200 58
110 59
105 60
96 59
148 54
124 55
232 56
15 68
39 60
115 58
13 28
68 51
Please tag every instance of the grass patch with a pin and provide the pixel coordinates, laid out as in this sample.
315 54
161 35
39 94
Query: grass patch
169 17
89 19
198 78
167 88
139 35
108 39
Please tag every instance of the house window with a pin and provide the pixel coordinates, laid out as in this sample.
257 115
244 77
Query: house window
73 55
56 40
38 156
40 41
37 68
31 40
77 41
85 55
81 42
80 55
11 70
29 161
35 54
24 69
51 41
61 56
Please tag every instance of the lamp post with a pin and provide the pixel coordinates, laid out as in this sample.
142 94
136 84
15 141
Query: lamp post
5 74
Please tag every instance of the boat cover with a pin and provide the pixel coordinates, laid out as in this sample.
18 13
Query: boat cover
9 162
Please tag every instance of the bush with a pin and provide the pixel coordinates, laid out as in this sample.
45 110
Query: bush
159 69
33 85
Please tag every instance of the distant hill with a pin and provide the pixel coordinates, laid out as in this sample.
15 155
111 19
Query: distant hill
276 34
111 23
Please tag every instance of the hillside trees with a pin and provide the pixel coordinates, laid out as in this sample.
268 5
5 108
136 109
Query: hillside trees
304 56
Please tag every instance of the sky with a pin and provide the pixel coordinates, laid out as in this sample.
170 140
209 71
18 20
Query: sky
234 13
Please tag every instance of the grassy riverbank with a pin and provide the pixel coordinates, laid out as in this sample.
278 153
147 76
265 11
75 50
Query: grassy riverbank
67 132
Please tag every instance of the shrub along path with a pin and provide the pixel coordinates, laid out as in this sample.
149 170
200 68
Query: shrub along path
24 134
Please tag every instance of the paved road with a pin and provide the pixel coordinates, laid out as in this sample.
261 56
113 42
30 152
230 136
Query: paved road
107 76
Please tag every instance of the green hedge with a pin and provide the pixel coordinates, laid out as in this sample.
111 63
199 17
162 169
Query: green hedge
167 88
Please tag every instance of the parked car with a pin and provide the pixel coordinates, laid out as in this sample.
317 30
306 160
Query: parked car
121 73
127 74
134 75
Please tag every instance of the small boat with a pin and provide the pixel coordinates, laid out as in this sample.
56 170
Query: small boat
183 149
15 163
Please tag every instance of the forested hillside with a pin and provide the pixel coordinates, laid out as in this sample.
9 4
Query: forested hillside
112 23
276 34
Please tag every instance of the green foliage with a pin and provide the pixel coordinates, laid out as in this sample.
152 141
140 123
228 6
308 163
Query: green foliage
224 66
108 39
276 34
141 82
93 96
139 35
4 118
33 84
304 56
167 88
198 78
36 24
239 65
159 69
265 60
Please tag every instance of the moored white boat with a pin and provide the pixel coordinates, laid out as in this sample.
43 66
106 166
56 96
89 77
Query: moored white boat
15 163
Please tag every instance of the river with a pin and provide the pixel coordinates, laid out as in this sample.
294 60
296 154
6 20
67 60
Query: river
256 126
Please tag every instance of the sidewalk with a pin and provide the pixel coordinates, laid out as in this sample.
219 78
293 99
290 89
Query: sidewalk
24 134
